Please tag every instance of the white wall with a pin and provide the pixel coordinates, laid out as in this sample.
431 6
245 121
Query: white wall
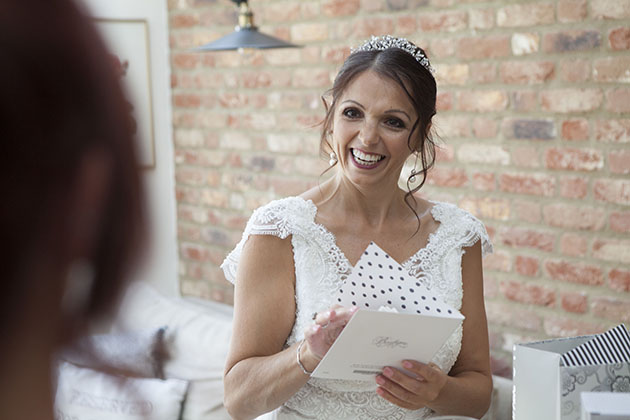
160 269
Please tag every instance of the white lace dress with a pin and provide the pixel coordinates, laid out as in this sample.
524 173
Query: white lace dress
320 269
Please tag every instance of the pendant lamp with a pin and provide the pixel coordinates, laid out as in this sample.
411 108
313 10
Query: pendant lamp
245 35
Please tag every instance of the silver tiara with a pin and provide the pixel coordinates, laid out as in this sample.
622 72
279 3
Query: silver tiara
384 42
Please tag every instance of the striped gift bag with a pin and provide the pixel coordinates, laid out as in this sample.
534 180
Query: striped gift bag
550 375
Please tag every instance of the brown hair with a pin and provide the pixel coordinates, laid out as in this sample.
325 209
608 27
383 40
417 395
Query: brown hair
60 100
414 79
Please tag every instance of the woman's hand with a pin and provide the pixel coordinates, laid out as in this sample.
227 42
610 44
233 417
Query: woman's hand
327 327
411 392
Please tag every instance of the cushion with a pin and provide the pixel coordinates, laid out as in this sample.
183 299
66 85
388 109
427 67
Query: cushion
86 394
135 353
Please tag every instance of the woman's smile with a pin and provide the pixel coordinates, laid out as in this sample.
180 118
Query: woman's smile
365 160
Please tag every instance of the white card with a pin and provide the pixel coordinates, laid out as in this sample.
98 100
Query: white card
374 339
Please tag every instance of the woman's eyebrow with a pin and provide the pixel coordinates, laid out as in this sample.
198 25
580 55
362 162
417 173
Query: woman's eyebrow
388 111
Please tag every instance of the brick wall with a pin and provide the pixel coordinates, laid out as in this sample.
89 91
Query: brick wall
534 112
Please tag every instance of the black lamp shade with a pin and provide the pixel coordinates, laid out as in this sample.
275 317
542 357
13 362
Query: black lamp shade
245 38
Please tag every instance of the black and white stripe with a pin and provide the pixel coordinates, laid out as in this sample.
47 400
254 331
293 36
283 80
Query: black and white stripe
611 347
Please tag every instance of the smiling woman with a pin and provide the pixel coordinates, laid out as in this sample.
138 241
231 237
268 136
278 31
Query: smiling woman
296 253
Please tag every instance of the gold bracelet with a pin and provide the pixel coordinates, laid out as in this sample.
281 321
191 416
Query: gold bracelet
306 372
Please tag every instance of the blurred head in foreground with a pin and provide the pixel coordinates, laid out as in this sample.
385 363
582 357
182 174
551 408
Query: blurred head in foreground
71 218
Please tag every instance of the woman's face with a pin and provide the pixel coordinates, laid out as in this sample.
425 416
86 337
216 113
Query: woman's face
372 122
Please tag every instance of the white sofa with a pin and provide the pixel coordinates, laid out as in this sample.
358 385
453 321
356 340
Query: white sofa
196 340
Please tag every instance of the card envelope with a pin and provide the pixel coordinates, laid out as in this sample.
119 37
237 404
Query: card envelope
374 339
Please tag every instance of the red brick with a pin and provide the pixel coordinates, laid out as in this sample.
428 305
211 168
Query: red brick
487 207
484 181
311 78
406 25
483 72
481 18
525 157
527 266
574 302
528 293
571 100
524 100
453 74
218 16
535 14
573 245
444 101
614 131
233 100
451 126
534 184
612 190
616 250
525 238
574 272
482 100
619 162
512 316
336 8
576 40
569 327
444 153
471 48
610 9
443 47
282 12
575 129
619 39
194 252
620 222
183 21
186 100
573 187
191 176
483 153
451 21
573 217
185 60
366 27
612 69
526 72
527 211
615 309
618 100
447 177
619 280
498 261
484 128
574 159
490 288
571 10
575 70
309 32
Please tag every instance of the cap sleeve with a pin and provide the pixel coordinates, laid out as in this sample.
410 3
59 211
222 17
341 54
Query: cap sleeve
280 218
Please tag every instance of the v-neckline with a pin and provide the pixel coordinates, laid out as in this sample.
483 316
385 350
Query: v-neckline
402 264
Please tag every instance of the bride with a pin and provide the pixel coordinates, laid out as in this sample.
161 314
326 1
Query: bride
296 252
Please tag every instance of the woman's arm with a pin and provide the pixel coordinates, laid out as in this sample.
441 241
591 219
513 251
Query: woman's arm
466 389
259 374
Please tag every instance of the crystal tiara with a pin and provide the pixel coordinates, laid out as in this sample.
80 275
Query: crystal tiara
384 42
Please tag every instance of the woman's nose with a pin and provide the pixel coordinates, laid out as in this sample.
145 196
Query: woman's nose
368 134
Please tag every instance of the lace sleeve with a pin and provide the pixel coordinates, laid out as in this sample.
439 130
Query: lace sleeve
476 231
278 218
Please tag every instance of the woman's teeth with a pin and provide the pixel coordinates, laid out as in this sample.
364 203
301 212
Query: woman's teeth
366 158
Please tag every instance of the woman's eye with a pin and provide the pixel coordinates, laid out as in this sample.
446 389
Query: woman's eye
395 122
351 113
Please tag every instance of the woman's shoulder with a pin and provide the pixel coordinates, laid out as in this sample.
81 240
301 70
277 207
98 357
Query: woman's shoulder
283 214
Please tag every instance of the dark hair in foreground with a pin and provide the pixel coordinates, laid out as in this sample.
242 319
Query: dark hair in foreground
414 79
60 102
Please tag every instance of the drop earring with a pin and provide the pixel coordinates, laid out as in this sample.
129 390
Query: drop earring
413 173
333 159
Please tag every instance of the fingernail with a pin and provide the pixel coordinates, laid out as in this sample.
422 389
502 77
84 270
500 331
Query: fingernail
407 364
380 380
388 372
379 391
